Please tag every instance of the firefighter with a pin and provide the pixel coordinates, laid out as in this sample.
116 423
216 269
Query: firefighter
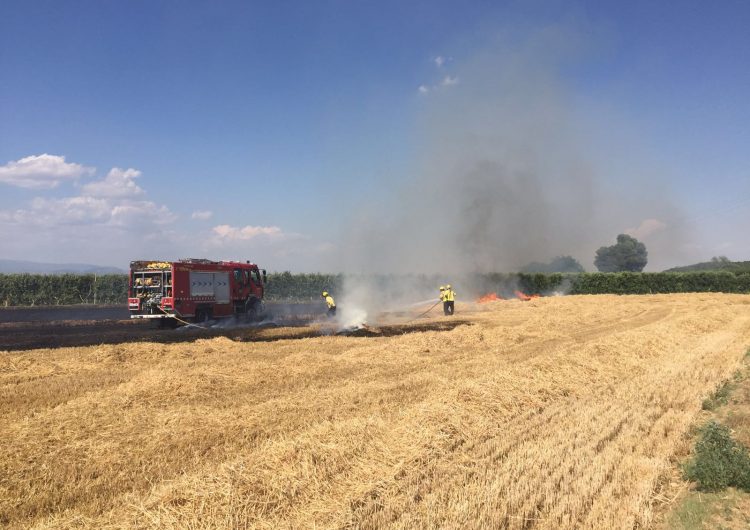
442 293
449 298
331 304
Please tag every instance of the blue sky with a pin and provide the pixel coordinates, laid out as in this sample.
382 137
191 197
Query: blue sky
282 119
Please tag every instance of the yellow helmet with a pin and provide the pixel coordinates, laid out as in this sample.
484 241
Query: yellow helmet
325 293
442 287
447 286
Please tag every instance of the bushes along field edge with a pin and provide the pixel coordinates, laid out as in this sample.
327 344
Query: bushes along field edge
719 462
67 289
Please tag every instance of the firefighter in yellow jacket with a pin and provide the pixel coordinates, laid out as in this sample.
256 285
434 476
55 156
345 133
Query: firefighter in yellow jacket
331 304
449 299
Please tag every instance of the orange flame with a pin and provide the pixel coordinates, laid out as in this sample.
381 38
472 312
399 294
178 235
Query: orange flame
489 297
523 296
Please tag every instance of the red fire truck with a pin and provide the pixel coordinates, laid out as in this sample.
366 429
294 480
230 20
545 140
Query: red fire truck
195 289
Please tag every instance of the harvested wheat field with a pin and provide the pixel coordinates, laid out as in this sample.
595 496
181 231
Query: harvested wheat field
560 412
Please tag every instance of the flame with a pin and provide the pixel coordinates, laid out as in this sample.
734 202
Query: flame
524 297
489 297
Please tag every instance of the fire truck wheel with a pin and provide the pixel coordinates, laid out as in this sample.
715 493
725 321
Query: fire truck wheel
254 309
202 316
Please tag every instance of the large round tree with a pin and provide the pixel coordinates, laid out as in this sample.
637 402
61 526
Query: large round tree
628 254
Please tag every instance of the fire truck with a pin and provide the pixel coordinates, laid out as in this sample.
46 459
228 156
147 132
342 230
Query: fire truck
195 289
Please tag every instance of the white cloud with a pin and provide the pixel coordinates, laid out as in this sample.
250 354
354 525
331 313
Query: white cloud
111 219
202 215
114 201
44 213
234 233
137 214
69 210
41 171
439 61
445 82
118 184
646 228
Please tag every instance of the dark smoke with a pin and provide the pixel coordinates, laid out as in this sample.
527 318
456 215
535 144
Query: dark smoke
516 166
509 172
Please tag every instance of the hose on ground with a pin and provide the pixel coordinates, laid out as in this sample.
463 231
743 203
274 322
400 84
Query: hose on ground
423 314
178 319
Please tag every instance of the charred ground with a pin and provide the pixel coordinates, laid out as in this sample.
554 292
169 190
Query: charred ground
27 335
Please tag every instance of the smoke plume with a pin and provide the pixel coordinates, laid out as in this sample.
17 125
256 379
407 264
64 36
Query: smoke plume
510 171
507 173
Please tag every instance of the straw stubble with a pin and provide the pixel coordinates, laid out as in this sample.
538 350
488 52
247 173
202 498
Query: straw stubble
561 412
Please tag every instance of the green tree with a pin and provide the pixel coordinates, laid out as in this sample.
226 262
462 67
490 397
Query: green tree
628 255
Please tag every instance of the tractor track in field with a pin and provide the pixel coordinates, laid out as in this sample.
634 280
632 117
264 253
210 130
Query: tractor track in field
534 348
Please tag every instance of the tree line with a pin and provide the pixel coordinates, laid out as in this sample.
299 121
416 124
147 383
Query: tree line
626 255
62 289
69 289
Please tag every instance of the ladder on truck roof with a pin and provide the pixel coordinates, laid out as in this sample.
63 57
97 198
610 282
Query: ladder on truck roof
197 260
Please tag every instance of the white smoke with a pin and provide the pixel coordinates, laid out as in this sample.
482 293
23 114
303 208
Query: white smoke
508 173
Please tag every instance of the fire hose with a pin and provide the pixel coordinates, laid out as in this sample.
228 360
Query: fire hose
178 319
423 314
190 324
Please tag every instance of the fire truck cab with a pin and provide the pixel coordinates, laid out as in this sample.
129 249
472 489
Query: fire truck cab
195 289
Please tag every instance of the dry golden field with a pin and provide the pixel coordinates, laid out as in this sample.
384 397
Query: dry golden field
561 412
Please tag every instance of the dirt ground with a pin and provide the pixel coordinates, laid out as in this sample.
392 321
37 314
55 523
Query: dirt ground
561 412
